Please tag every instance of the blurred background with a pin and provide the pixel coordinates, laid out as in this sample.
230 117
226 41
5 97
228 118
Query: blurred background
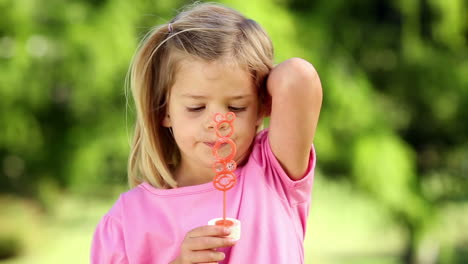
392 177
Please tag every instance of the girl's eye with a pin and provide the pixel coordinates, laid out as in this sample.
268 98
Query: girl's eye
195 109
231 108
237 109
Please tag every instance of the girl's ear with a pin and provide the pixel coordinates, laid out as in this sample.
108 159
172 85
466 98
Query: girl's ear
166 122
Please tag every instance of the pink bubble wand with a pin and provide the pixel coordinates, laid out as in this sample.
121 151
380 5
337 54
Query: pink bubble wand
224 167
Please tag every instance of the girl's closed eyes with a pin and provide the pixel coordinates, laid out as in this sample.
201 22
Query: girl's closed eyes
231 108
237 109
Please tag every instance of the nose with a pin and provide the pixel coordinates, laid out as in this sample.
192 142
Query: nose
211 124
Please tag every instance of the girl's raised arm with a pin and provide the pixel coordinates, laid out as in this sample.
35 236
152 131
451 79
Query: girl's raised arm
296 94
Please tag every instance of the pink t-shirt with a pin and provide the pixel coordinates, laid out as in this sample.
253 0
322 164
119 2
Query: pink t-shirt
148 225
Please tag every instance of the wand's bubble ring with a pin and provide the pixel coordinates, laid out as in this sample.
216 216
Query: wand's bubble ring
223 122
218 166
222 126
218 144
219 117
224 181
231 165
221 166
229 117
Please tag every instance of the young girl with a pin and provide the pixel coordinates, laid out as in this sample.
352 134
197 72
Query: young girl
210 59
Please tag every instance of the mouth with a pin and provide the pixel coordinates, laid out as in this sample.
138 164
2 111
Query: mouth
211 144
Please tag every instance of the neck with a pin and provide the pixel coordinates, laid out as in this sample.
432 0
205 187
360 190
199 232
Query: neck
186 177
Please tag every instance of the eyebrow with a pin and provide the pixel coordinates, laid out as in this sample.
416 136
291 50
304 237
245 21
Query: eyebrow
235 97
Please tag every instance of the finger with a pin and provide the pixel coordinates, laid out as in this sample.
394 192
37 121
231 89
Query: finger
208 230
206 256
203 243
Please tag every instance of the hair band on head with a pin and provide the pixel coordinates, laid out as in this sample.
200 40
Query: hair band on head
169 27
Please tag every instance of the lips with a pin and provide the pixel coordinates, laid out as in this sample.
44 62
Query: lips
211 144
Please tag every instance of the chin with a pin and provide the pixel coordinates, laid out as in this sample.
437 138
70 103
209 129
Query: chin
241 159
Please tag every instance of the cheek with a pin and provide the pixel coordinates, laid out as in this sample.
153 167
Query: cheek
185 132
183 129
182 122
246 132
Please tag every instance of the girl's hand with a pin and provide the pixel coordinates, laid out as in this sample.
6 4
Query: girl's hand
200 244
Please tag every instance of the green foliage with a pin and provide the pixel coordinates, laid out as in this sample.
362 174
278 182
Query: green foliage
9 247
385 165
62 70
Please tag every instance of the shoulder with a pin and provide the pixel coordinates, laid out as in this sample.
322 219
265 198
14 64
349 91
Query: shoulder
126 200
258 146
261 154
263 157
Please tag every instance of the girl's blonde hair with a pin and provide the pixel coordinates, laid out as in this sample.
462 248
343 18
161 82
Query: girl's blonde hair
206 31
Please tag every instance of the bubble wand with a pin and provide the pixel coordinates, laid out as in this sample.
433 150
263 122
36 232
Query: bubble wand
224 168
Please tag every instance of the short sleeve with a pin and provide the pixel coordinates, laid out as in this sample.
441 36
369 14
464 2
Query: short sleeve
294 192
108 244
